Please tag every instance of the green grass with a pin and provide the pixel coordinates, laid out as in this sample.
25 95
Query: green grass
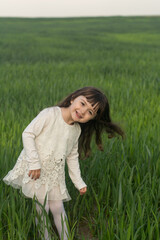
43 60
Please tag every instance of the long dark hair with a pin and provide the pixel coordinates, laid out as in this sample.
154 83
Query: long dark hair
102 122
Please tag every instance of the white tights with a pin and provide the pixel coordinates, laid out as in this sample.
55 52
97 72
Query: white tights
59 215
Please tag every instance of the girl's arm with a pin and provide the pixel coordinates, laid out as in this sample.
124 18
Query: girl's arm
74 170
28 136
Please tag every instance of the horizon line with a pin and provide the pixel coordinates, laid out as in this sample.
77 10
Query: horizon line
94 16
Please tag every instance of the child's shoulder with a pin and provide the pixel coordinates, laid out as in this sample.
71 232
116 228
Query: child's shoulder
51 110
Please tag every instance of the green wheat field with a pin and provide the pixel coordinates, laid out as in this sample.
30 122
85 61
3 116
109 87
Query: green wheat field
42 61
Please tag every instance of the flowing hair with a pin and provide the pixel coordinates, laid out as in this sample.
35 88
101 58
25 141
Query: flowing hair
102 121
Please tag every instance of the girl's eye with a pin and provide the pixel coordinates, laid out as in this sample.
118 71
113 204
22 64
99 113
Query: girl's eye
90 112
82 103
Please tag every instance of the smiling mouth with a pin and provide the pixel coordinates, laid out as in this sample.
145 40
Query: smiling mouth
78 115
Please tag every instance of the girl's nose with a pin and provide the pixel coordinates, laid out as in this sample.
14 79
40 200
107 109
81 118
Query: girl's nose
83 111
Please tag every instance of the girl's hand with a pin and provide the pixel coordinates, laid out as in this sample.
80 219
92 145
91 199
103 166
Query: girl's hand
83 190
34 174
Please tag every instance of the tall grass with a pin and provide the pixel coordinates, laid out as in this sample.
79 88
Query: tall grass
43 60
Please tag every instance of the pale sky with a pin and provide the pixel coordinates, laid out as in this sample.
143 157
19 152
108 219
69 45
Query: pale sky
78 8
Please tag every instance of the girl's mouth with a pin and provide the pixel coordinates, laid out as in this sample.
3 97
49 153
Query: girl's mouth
78 115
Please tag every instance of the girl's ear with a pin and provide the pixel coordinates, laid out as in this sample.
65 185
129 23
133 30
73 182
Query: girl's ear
71 100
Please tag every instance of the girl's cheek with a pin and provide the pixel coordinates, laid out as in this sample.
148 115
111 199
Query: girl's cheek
90 116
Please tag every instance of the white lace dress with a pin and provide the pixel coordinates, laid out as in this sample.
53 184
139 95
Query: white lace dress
48 141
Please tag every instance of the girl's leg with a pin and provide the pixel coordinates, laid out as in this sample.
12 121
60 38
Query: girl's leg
41 212
60 218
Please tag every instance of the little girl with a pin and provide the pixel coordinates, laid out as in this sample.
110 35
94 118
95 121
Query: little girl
53 137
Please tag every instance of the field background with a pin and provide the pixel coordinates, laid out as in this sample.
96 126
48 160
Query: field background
43 60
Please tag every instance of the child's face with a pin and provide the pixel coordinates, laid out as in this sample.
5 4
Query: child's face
81 110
